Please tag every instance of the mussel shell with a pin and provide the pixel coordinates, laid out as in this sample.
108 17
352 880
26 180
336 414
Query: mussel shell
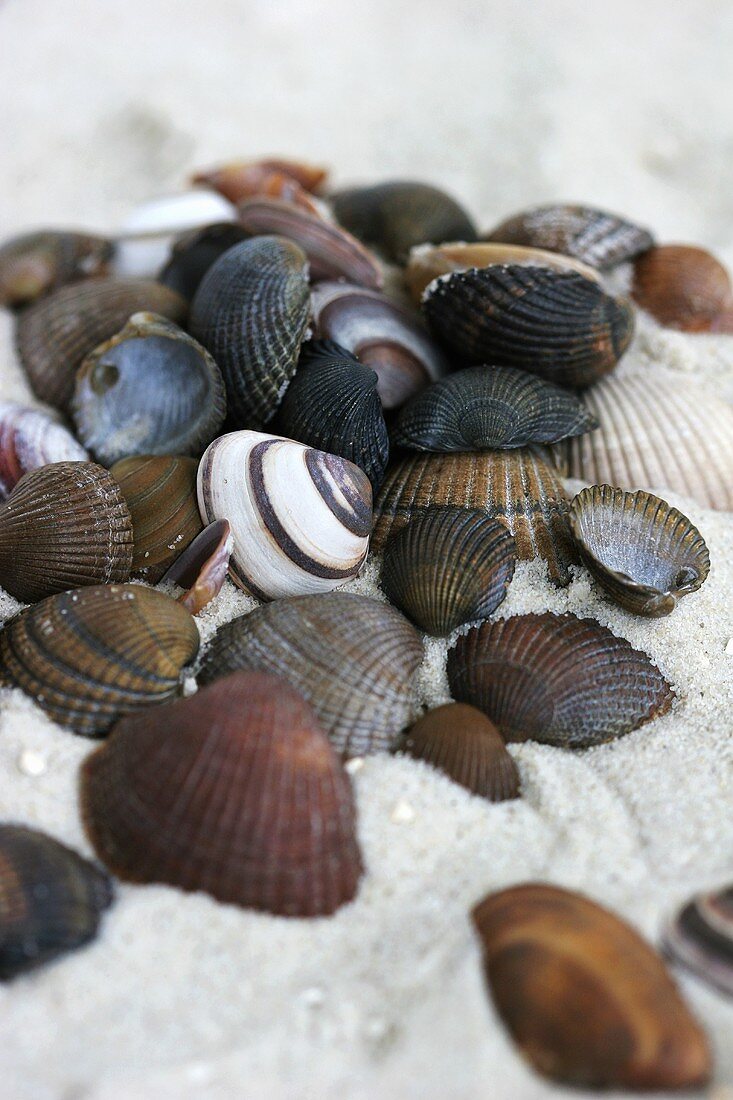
268 820
89 656
447 567
251 312
700 937
352 658
51 899
36 263
681 286
31 438
642 551
241 179
556 324
557 679
193 254
203 566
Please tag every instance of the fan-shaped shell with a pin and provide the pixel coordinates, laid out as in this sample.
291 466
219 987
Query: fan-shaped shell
29 439
240 179
251 311
556 679
194 253
203 566
700 937
682 286
556 324
448 566
268 820
645 553
88 656
354 660
36 263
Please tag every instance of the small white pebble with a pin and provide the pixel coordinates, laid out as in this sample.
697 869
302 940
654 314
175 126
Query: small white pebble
354 765
402 813
31 762
313 997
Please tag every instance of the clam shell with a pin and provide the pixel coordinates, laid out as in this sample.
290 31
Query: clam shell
557 679
145 236
29 439
241 179
55 334
461 742
587 1001
681 286
151 389
640 549
700 937
63 526
193 254
203 566
447 567
88 656
51 899
36 263
596 237
518 488
489 408
268 820
352 658
251 312
556 324
300 518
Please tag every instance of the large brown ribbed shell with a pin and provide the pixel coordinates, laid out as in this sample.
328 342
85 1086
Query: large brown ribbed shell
31 438
681 286
352 658
235 791
557 679
700 937
36 263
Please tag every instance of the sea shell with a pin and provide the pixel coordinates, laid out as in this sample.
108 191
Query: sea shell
332 404
203 566
383 336
556 324
193 254
587 1000
700 937
596 237
300 518
460 741
55 334
643 552
146 234
251 311
556 679
31 438
447 567
681 286
354 660
488 408
88 656
36 263
149 390
268 820
519 488
51 899
241 179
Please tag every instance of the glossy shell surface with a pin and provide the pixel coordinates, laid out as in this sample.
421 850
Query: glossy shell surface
594 236
31 438
700 937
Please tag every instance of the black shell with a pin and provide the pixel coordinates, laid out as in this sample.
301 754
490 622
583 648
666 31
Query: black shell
193 254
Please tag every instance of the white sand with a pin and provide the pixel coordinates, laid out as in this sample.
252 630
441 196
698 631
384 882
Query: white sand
626 105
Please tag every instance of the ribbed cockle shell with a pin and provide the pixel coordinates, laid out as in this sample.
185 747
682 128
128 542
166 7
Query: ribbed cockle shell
30 438
36 263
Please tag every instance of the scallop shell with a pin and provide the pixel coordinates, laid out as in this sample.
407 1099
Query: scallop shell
300 518
251 311
55 334
557 679
268 820
194 253
596 237
700 937
240 179
203 566
353 659
51 899
519 488
556 324
29 439
587 1001
643 552
447 567
145 236
681 286
88 656
488 408
36 263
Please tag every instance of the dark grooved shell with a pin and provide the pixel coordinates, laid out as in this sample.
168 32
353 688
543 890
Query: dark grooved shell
644 553
700 937
29 439
55 334
597 238
516 487
235 791
88 656
448 566
587 1001
557 679
681 286
352 658
36 263
251 311
460 741
485 408
64 526
556 324
193 254
333 404
51 899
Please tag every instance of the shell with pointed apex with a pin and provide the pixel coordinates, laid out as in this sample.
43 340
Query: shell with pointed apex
586 999
681 286
251 311
193 254
242 179
36 263
447 567
145 236
556 324
700 937
269 820
640 549
354 660
89 656
54 335
51 899
203 566
557 679
31 438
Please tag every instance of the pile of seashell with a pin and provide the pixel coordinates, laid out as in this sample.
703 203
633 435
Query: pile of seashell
263 379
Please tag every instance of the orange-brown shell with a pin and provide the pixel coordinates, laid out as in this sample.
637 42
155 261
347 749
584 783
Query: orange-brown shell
681 286
240 179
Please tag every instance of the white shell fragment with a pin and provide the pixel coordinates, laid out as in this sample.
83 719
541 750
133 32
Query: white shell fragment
146 234
31 438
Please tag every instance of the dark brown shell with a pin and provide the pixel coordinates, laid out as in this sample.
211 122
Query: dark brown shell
240 179
34 264
31 438
202 567
681 286
194 253
700 937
